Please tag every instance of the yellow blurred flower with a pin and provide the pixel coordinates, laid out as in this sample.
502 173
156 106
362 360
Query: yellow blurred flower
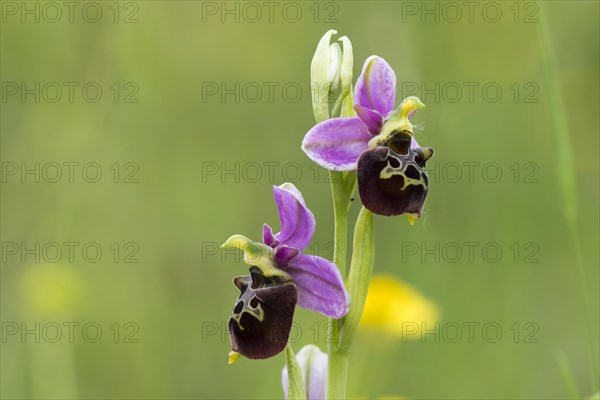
394 306
50 290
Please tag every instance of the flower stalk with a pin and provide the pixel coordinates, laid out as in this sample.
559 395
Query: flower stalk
337 366
325 61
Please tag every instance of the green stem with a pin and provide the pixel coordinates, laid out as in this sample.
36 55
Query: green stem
340 215
337 368
342 186
337 365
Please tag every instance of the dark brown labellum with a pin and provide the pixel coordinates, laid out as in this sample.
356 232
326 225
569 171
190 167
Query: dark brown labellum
392 179
260 323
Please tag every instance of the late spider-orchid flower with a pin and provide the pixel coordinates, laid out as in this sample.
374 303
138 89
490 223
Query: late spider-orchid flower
281 277
378 143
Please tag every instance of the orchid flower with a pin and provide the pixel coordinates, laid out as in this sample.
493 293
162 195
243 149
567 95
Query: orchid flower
378 143
281 277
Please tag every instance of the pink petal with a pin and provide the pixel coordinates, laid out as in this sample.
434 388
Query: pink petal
297 221
376 86
320 285
337 143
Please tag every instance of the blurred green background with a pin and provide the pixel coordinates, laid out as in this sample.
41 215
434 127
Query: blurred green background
162 318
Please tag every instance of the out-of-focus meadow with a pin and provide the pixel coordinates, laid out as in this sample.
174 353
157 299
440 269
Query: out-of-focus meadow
201 111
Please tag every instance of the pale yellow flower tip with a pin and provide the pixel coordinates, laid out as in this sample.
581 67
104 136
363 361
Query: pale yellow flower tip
233 357
409 105
237 242
392 305
255 254
412 218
